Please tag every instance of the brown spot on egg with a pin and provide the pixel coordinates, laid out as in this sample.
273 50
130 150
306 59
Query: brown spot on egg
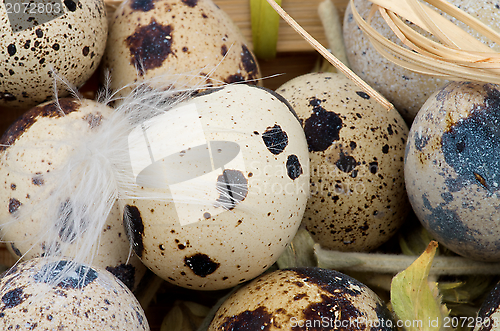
293 167
275 139
94 120
125 273
258 319
7 96
249 63
322 128
190 3
11 49
373 167
13 298
37 179
16 250
223 50
142 5
79 279
385 149
234 79
232 187
150 45
132 221
201 264
70 4
85 50
346 162
363 95
39 33
14 205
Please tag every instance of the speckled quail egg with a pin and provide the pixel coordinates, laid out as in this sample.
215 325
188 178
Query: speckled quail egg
33 298
38 37
34 147
452 168
235 164
187 37
356 148
305 299
407 90
488 316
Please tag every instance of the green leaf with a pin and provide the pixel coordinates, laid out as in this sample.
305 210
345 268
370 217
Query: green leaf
265 24
414 299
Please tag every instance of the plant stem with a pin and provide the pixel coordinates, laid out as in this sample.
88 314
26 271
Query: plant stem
388 263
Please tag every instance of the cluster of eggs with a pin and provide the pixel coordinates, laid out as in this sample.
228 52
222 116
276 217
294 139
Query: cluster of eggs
243 166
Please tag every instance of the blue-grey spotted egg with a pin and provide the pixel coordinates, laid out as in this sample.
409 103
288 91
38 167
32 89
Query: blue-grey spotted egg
304 299
38 37
356 147
34 296
452 168
232 167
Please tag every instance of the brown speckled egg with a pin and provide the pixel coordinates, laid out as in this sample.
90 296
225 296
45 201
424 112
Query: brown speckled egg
35 146
405 89
33 298
356 147
305 299
189 37
452 168
66 36
235 162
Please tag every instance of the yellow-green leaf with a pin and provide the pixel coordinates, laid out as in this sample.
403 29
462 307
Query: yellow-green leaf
265 24
415 301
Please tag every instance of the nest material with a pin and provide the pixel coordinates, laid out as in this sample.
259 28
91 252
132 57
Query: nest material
457 55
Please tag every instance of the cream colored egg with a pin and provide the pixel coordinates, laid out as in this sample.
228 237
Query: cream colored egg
452 168
235 165
37 37
89 299
405 89
306 299
36 145
194 38
356 146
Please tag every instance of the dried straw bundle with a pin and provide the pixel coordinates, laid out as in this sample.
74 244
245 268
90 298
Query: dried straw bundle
458 56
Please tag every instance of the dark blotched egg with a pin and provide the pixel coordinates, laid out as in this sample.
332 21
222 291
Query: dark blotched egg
452 168
303 299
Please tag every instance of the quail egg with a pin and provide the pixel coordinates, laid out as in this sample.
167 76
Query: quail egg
38 38
172 37
356 147
34 147
34 296
488 316
306 299
234 162
452 168
406 89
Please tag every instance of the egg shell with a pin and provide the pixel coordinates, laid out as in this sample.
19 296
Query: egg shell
356 147
72 45
305 298
193 38
406 89
452 168
488 316
89 299
233 220
36 145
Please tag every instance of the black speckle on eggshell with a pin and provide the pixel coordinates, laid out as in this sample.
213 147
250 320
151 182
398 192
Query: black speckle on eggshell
322 128
16 250
275 139
142 5
14 205
249 63
201 264
258 319
150 45
12 298
488 313
132 221
232 187
293 167
82 276
190 3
